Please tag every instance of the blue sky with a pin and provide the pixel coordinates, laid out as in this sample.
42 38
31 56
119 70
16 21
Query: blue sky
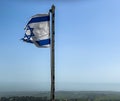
86 44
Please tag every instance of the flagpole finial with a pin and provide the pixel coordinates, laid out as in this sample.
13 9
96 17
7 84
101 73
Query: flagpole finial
52 8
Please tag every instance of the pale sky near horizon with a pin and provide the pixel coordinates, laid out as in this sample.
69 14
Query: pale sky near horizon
87 46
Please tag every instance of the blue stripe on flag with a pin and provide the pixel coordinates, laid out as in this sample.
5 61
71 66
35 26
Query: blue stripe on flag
39 19
43 42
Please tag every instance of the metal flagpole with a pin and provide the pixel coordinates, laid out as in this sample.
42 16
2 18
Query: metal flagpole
52 95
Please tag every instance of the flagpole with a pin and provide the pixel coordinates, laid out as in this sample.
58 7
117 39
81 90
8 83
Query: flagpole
52 95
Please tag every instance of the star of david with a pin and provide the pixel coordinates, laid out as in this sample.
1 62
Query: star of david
27 37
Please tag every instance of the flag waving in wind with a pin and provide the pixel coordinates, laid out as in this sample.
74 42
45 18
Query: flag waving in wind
37 30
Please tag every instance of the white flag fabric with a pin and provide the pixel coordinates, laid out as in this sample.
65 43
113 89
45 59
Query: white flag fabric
37 30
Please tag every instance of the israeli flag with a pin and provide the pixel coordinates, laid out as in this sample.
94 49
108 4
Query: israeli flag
37 30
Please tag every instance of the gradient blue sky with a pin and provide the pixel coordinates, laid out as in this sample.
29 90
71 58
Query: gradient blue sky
87 46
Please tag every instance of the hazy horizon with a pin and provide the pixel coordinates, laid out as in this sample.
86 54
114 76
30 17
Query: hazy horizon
62 87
